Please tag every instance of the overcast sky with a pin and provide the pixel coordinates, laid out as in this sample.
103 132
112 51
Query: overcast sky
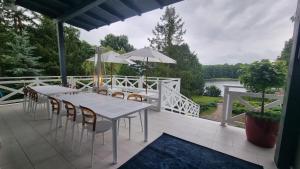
218 31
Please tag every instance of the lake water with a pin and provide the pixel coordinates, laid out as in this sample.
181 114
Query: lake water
220 85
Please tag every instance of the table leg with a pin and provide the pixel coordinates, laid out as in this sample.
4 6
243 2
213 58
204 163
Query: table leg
114 139
48 109
146 125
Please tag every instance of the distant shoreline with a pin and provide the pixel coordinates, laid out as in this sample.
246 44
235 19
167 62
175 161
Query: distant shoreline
221 79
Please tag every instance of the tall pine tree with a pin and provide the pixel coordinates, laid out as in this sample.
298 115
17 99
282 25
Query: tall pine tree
168 38
169 31
20 61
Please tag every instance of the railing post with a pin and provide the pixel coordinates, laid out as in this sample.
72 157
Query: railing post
178 85
37 81
72 82
114 81
141 79
225 103
159 94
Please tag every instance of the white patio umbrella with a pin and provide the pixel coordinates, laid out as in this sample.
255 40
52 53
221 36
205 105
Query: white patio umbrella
111 57
148 54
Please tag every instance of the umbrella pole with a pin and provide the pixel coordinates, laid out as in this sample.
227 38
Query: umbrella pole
111 82
146 76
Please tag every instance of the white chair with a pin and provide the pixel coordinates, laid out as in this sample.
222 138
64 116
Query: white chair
133 97
91 125
26 98
35 101
72 116
57 114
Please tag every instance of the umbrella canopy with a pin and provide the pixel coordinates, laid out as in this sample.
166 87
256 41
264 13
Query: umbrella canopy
148 53
111 57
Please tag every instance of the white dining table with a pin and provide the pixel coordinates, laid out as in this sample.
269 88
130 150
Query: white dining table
51 90
110 108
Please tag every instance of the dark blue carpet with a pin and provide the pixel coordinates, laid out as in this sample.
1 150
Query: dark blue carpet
169 152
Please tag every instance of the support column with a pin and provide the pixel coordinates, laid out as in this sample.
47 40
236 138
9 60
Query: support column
61 52
289 126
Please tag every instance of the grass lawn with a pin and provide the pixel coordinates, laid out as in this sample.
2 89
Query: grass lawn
206 99
207 104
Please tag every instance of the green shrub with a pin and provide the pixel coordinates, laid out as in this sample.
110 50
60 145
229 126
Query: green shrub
212 91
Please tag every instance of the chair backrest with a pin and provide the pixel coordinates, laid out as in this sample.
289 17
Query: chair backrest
118 95
25 91
33 95
89 117
54 105
135 97
102 91
71 110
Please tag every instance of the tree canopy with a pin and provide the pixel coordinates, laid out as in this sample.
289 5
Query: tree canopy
169 31
222 71
262 75
40 40
117 43
168 38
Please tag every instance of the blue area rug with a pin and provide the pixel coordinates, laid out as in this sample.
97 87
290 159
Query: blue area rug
169 152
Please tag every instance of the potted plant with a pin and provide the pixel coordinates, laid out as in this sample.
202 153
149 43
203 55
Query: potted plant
262 126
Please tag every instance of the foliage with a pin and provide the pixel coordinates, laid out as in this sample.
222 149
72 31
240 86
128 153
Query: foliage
286 51
169 31
263 75
16 18
212 91
221 71
42 37
19 60
273 114
168 38
187 68
119 44
207 104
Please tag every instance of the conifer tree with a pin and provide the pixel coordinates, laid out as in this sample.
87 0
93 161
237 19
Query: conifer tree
19 60
169 31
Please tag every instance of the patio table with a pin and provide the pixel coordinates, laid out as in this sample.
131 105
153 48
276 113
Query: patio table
111 109
51 90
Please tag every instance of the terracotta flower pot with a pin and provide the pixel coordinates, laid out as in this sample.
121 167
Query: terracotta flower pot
261 132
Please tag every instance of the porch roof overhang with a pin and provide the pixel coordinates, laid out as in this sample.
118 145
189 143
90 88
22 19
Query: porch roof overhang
91 14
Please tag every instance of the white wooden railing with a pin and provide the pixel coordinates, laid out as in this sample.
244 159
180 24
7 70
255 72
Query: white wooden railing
173 100
230 96
168 89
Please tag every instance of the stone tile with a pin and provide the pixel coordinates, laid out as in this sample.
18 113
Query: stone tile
25 142
56 162
40 152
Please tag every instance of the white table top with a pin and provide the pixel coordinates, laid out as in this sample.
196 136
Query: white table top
106 106
149 94
53 89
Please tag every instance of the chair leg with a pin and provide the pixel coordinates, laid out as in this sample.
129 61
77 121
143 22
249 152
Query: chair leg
73 128
141 121
118 126
129 120
93 141
65 131
103 138
56 125
24 104
81 136
124 122
34 111
50 127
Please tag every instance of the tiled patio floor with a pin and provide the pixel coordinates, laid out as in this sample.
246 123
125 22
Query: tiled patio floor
27 144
